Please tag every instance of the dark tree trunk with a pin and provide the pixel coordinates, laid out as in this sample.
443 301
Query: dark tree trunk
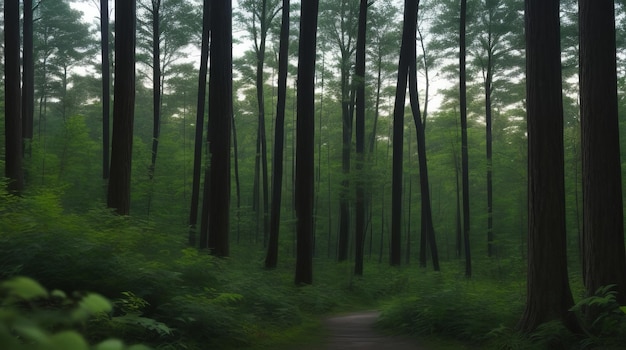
305 127
548 293
260 63
488 141
28 78
407 50
156 83
271 259
12 96
464 150
123 106
427 219
200 107
603 224
220 115
360 139
106 86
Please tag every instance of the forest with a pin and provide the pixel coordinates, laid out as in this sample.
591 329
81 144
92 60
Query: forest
219 174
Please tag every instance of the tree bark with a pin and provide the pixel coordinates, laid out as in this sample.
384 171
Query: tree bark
407 50
28 78
12 97
106 86
548 292
123 106
360 139
603 224
200 108
271 259
305 128
220 115
464 149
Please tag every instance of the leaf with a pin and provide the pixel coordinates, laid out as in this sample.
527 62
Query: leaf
90 305
623 308
66 340
110 344
23 288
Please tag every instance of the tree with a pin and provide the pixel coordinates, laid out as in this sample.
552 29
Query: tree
263 14
427 228
407 55
123 106
12 96
28 76
603 225
548 292
359 77
219 133
106 85
338 26
164 27
464 148
279 135
200 107
305 132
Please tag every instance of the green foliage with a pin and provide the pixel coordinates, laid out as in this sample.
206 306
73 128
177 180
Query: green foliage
452 307
33 318
602 318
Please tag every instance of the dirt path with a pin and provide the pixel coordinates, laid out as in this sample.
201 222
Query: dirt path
356 331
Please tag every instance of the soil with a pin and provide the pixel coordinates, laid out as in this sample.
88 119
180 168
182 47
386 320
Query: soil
356 331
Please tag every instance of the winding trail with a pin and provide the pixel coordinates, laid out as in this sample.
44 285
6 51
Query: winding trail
356 331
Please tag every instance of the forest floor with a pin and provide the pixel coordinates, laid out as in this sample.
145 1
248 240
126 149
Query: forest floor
357 331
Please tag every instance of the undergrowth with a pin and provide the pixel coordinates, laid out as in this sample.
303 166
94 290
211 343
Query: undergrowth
165 294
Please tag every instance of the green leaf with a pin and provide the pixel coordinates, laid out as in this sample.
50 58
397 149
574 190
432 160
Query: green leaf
90 305
23 288
110 344
66 340
623 308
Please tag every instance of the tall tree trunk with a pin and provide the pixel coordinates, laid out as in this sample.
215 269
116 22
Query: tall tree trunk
28 78
106 86
156 83
220 115
407 50
464 149
603 224
271 259
489 141
200 107
548 293
260 63
123 106
360 139
427 218
12 96
305 160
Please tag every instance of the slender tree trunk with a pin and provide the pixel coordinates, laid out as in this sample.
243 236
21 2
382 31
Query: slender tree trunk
305 160
220 119
12 96
28 78
603 224
271 259
407 50
261 108
199 127
156 83
123 107
360 139
106 86
237 184
489 141
427 219
548 293
464 149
